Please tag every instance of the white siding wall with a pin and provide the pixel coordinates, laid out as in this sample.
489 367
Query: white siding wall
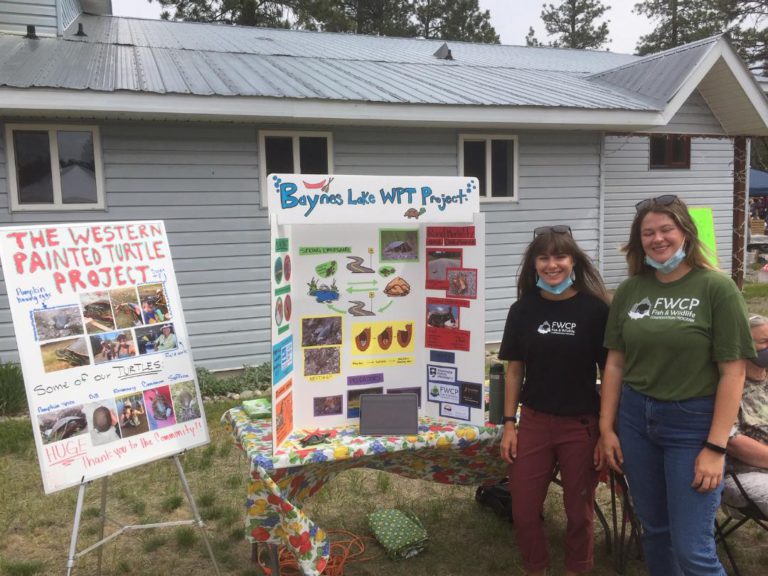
203 181
17 14
694 117
68 11
628 179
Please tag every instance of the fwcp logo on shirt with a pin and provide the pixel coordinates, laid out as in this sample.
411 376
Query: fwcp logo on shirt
665 309
555 327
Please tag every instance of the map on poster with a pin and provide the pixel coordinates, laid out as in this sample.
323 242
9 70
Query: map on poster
103 346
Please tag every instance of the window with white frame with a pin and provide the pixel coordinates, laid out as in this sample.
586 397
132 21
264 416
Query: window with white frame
284 152
54 167
493 160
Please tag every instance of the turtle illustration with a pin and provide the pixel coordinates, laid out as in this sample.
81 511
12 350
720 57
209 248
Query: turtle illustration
76 353
413 213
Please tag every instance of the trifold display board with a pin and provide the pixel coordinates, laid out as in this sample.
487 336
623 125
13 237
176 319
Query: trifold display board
377 287
104 350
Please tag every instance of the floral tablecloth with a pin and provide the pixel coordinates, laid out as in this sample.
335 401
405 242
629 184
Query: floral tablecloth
450 453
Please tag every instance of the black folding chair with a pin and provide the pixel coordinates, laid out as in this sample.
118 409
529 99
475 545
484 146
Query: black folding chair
736 517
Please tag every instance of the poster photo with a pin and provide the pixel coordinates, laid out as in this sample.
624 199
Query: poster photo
103 347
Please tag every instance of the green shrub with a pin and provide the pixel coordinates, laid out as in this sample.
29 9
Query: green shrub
257 378
13 397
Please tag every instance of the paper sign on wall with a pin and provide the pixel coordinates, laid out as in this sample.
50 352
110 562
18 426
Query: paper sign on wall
103 347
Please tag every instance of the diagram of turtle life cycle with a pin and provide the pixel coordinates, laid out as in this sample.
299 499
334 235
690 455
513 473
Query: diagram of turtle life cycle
377 288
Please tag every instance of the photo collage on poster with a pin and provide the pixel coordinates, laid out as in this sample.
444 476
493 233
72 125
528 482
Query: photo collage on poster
455 287
104 327
375 297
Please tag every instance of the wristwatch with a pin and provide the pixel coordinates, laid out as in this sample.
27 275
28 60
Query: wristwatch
506 419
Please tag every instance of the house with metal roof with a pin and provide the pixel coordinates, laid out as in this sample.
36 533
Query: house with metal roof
183 121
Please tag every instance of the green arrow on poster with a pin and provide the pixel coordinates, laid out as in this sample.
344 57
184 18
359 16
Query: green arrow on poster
705 224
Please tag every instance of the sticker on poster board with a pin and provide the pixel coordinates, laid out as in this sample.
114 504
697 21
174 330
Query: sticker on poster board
454 411
279 311
462 282
322 361
399 245
445 374
282 359
327 405
438 262
471 394
353 399
444 393
414 390
361 379
278 270
287 268
284 388
283 418
287 307
441 356
281 244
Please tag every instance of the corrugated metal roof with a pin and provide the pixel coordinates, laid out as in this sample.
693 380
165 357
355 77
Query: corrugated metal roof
661 75
160 57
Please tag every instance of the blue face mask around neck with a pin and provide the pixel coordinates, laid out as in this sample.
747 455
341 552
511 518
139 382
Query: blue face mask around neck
557 289
668 266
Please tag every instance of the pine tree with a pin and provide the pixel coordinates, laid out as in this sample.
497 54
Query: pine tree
574 23
680 22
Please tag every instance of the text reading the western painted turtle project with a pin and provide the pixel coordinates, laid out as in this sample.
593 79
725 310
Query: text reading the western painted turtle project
88 257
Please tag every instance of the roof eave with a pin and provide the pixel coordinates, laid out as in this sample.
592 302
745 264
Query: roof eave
127 105
747 82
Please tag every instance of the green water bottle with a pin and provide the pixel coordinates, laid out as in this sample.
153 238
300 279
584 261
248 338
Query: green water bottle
496 393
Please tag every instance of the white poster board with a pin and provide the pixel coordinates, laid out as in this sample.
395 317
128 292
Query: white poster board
377 287
104 350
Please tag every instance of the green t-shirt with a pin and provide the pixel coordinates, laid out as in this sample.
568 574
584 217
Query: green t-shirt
672 335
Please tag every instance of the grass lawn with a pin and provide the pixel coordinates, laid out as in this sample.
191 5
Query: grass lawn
465 539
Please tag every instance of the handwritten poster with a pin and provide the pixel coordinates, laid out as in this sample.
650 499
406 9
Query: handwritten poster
104 349
385 279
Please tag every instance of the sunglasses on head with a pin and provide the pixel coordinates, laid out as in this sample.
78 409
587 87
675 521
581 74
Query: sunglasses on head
557 229
663 200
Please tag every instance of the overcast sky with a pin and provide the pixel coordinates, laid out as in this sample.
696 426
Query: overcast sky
511 18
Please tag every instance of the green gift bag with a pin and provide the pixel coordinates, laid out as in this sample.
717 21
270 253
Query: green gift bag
400 533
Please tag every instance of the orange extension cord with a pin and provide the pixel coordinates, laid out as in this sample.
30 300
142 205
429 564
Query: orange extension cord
346 548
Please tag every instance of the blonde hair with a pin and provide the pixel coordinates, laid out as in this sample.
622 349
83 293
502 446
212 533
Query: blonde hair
696 253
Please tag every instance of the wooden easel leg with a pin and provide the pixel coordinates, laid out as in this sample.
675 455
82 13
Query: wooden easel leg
75 529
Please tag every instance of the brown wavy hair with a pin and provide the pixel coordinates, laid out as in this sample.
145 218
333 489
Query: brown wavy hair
586 277
696 253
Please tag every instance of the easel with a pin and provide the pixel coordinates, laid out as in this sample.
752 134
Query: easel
74 555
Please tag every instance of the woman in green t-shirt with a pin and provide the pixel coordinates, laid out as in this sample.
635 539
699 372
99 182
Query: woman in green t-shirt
677 339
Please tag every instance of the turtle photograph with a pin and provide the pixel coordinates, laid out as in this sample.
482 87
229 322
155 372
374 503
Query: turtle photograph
65 354
125 303
62 424
160 412
327 405
97 311
321 331
51 323
185 401
462 282
399 245
319 361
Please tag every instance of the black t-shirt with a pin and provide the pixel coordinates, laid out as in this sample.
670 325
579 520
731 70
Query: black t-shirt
560 342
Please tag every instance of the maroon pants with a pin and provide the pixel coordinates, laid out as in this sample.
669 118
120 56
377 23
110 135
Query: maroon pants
544 440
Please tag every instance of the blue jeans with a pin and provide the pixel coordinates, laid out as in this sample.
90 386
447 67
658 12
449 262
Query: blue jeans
660 441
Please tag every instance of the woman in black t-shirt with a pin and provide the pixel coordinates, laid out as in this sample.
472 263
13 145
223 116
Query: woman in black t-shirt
553 344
